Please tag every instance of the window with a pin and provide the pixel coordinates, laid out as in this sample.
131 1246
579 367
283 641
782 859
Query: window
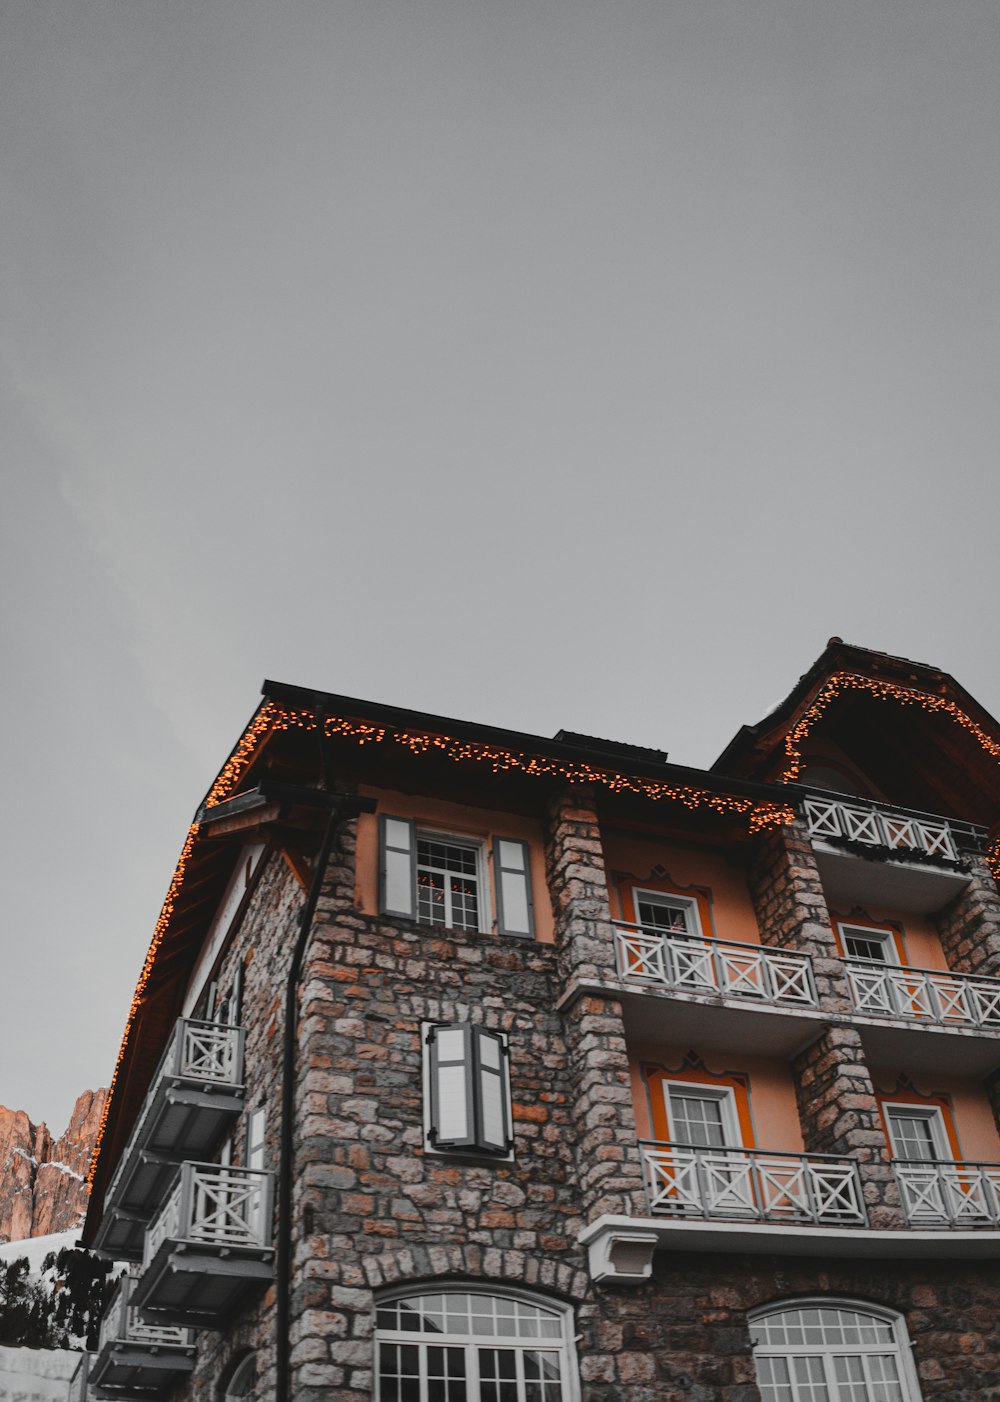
242 1383
674 915
464 1346
701 1116
868 945
828 1351
441 879
917 1133
467 1105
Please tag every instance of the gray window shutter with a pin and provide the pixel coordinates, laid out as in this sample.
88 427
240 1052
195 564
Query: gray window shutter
453 1114
492 1091
397 866
512 879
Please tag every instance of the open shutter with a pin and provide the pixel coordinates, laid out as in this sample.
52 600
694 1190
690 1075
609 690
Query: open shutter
452 1112
492 1087
397 866
512 879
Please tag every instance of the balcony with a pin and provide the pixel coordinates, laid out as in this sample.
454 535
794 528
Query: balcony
965 1006
913 859
752 1185
136 1359
195 1094
721 991
208 1247
950 1194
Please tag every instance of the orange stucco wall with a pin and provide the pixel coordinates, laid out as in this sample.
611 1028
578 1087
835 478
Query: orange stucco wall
975 1127
692 871
463 821
771 1096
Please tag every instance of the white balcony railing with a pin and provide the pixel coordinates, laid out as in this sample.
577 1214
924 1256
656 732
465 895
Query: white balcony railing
215 1205
950 1194
874 826
206 1054
647 956
122 1323
79 1390
751 1185
924 995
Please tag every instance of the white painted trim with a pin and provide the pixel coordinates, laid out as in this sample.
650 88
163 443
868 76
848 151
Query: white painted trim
671 901
727 1099
931 1113
484 890
870 932
768 1238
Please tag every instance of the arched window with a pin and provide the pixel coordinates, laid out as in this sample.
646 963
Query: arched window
470 1346
832 1351
242 1384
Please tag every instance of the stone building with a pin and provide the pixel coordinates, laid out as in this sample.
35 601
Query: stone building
471 1066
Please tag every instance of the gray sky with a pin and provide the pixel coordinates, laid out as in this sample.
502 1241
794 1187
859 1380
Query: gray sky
548 364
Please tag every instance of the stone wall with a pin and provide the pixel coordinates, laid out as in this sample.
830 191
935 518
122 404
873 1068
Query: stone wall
970 925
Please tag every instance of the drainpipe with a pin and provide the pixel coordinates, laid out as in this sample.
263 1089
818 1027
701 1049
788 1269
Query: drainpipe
342 806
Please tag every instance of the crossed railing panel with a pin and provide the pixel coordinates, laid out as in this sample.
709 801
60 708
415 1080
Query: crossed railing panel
218 1205
696 965
123 1323
877 827
924 995
751 1184
207 1052
949 1194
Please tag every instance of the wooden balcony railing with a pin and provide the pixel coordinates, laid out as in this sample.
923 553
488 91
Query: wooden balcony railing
79 1390
695 965
947 1194
202 1059
752 1185
897 831
214 1205
925 995
122 1323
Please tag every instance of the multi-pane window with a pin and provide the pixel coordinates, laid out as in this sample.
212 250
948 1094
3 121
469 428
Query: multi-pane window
672 914
447 883
459 1346
443 880
831 1353
917 1135
696 1119
869 946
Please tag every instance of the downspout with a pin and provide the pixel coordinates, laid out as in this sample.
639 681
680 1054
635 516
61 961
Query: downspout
344 805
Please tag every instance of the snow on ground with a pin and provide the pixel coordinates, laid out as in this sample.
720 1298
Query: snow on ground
36 1248
36 1374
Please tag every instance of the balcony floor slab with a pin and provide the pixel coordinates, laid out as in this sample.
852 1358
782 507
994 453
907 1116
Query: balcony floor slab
916 888
198 1286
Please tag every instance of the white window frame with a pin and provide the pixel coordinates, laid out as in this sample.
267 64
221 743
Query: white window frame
934 1115
481 1155
564 1346
901 1347
726 1097
870 932
482 878
670 901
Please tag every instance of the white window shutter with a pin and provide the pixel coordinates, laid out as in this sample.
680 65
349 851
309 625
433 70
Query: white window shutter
452 1113
397 866
492 1083
512 879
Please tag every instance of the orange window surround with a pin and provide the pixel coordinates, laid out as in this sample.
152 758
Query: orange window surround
940 1102
864 922
657 1078
628 885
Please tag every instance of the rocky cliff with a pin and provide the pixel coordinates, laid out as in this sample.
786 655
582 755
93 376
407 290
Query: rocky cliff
42 1187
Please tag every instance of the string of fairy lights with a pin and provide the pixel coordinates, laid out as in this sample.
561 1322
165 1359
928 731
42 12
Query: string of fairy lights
273 717
762 816
839 682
